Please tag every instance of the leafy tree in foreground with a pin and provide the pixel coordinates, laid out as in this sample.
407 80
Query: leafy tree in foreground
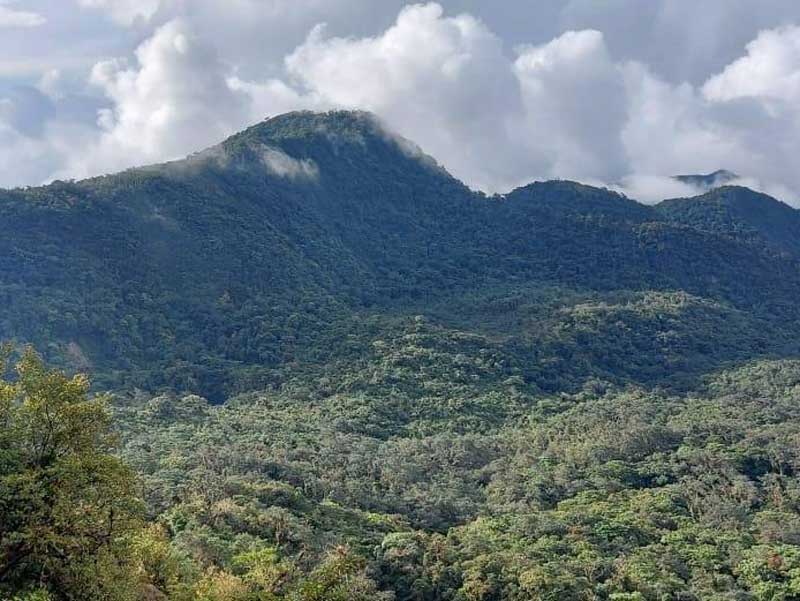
67 505
71 525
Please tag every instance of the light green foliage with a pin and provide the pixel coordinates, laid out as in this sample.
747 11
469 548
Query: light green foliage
772 571
609 493
71 526
67 503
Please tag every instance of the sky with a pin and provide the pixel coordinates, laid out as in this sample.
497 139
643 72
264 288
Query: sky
617 93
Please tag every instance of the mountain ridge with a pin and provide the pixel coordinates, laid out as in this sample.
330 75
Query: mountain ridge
707 182
218 273
739 212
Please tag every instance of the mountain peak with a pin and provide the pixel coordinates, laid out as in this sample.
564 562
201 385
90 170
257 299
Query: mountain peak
709 181
301 124
341 127
739 212
320 136
568 197
741 197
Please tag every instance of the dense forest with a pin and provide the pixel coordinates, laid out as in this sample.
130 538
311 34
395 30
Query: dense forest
323 369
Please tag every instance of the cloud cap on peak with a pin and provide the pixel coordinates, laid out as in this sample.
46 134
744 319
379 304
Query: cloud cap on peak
566 89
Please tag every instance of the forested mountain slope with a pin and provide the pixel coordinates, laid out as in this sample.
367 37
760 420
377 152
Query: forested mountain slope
214 273
339 374
739 213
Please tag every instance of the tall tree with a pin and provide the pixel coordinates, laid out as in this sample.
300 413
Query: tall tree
67 504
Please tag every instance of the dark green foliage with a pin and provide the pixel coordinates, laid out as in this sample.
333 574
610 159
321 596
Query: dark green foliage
741 214
340 374
217 273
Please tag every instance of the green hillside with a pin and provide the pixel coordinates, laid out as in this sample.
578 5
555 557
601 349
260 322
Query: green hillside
338 374
212 274
741 214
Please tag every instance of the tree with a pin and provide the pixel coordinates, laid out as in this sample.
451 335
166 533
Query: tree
341 577
67 505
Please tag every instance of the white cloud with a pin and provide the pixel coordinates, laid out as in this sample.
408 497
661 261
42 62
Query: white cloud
757 100
50 83
769 71
679 40
19 167
27 159
567 85
443 82
670 129
651 189
11 18
125 12
564 109
283 165
272 97
582 104
173 100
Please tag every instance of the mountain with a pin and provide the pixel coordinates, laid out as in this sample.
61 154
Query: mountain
338 373
741 214
219 272
709 181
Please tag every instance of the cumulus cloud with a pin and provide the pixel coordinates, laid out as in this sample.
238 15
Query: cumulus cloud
770 71
443 82
679 40
566 85
564 109
273 97
757 100
670 129
652 189
579 98
174 99
11 18
28 157
23 165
